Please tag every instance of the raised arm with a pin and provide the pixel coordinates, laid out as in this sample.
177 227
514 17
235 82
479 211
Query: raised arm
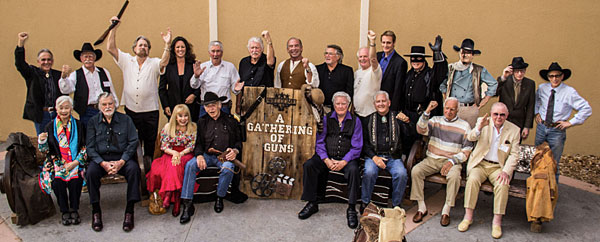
372 49
111 44
270 52
164 60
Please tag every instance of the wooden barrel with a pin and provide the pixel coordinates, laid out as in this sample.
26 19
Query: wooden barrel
284 126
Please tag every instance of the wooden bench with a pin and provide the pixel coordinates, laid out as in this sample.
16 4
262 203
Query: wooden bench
518 188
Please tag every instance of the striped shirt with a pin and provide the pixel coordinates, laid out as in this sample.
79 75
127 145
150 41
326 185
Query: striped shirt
447 138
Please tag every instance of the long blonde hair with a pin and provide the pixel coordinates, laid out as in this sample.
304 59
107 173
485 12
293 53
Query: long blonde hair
172 126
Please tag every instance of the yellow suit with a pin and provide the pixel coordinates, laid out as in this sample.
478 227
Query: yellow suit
478 170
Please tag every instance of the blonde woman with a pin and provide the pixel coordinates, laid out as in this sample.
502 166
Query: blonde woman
177 139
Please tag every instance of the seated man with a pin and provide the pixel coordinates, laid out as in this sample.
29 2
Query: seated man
494 158
217 132
338 149
111 143
448 147
383 149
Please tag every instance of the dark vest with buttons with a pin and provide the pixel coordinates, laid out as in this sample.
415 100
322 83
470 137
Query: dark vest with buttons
338 142
80 98
293 80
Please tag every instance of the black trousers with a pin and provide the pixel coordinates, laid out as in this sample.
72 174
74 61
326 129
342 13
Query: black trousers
315 179
146 124
64 199
131 171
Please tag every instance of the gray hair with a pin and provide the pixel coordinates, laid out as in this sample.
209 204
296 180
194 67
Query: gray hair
359 49
255 40
339 51
341 94
62 99
105 95
449 99
215 43
500 104
291 38
138 39
44 50
387 95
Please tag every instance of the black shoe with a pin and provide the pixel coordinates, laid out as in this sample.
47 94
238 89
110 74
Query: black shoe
75 220
97 222
187 212
66 219
352 217
219 204
128 222
308 210
362 208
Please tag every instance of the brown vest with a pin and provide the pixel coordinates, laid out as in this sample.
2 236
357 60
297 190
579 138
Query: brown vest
293 80
476 78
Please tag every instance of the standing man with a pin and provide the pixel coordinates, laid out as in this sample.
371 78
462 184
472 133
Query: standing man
448 148
140 83
334 76
291 73
394 69
383 149
88 82
111 148
257 69
217 131
494 158
464 82
42 85
338 149
554 102
367 80
517 92
217 76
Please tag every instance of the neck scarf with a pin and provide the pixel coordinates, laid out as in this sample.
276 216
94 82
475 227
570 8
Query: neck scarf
66 135
459 66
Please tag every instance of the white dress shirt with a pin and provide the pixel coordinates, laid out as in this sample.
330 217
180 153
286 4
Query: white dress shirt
140 85
218 79
492 154
67 85
366 84
293 65
566 99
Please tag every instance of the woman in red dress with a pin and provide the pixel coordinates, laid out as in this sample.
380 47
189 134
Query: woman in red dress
177 139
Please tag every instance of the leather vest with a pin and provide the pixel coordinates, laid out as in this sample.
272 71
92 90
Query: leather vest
476 79
339 142
80 98
293 80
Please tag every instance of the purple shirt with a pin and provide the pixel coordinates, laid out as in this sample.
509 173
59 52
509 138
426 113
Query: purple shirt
357 138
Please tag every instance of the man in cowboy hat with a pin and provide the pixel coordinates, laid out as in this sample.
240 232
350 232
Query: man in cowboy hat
517 92
464 82
216 131
422 84
554 102
393 67
87 82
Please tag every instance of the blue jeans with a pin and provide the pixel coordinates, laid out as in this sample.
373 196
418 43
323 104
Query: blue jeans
89 113
191 169
556 140
399 178
203 111
46 118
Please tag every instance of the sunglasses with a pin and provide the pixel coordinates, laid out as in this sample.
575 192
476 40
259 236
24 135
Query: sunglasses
499 114
555 76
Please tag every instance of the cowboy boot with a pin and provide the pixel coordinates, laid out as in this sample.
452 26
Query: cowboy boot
167 199
177 204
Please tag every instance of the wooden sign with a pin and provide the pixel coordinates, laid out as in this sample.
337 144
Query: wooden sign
281 126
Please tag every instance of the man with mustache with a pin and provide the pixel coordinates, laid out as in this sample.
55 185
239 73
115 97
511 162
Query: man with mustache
42 84
87 82
140 83
334 76
290 74
111 146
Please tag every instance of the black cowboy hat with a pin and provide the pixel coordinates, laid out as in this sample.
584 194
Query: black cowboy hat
518 63
417 51
87 47
468 44
211 97
555 67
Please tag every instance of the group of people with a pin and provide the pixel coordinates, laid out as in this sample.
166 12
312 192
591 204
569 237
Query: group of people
373 114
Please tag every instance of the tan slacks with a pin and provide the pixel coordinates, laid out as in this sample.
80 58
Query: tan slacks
430 166
469 114
486 170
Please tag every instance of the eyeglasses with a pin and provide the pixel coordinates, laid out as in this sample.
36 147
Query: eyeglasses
555 76
499 114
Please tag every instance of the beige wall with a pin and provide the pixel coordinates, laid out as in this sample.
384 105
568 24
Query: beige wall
540 31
